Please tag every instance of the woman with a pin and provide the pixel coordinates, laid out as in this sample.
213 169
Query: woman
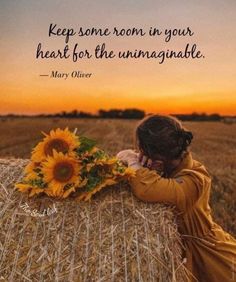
166 172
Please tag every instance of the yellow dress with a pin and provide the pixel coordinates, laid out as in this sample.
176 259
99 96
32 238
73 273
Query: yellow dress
210 251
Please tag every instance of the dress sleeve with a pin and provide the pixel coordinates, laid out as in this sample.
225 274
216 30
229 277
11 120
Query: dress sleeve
182 191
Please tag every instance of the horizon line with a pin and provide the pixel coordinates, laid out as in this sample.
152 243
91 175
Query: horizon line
96 114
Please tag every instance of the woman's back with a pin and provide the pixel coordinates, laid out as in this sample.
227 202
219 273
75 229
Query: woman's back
210 252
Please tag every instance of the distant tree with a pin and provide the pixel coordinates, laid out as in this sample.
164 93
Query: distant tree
133 114
199 117
113 113
63 114
85 115
74 113
123 114
215 117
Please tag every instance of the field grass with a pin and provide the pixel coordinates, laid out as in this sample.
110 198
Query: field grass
214 144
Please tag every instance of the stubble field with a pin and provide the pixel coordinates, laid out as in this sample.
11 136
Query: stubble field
214 144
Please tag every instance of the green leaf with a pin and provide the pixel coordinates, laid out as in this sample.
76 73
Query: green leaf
93 181
120 169
100 154
37 182
86 144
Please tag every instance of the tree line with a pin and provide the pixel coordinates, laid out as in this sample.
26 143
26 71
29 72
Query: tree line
130 113
133 113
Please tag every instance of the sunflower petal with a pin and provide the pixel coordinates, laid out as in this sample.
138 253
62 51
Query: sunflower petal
35 191
68 192
23 187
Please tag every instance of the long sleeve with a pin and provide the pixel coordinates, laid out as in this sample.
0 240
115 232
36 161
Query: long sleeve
183 190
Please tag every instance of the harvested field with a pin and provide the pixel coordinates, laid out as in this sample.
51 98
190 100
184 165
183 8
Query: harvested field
115 237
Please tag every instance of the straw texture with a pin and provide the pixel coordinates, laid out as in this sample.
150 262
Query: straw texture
115 237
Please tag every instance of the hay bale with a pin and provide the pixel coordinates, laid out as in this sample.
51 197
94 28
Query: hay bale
115 237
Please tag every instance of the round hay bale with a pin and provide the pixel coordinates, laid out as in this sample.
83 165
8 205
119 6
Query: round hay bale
115 237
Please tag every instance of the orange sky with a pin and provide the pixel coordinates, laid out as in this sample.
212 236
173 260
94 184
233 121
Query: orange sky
177 86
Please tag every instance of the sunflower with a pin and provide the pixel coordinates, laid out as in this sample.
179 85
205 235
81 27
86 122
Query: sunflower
85 196
60 140
24 187
31 170
121 171
104 162
58 171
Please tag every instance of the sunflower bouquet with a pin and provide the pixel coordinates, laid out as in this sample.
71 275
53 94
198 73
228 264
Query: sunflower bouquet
64 164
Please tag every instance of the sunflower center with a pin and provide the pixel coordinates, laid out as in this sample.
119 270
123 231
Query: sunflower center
57 144
63 171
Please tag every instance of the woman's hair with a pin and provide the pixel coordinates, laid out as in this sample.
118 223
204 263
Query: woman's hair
163 137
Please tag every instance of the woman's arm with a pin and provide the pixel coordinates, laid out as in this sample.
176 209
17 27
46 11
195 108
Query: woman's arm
182 191
148 185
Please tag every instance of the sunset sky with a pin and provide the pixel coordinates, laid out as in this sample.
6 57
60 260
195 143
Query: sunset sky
177 86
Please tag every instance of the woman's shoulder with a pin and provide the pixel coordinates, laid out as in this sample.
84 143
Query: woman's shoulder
197 172
200 169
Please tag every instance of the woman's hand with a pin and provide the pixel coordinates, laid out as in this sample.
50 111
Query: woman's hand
136 161
153 165
129 157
